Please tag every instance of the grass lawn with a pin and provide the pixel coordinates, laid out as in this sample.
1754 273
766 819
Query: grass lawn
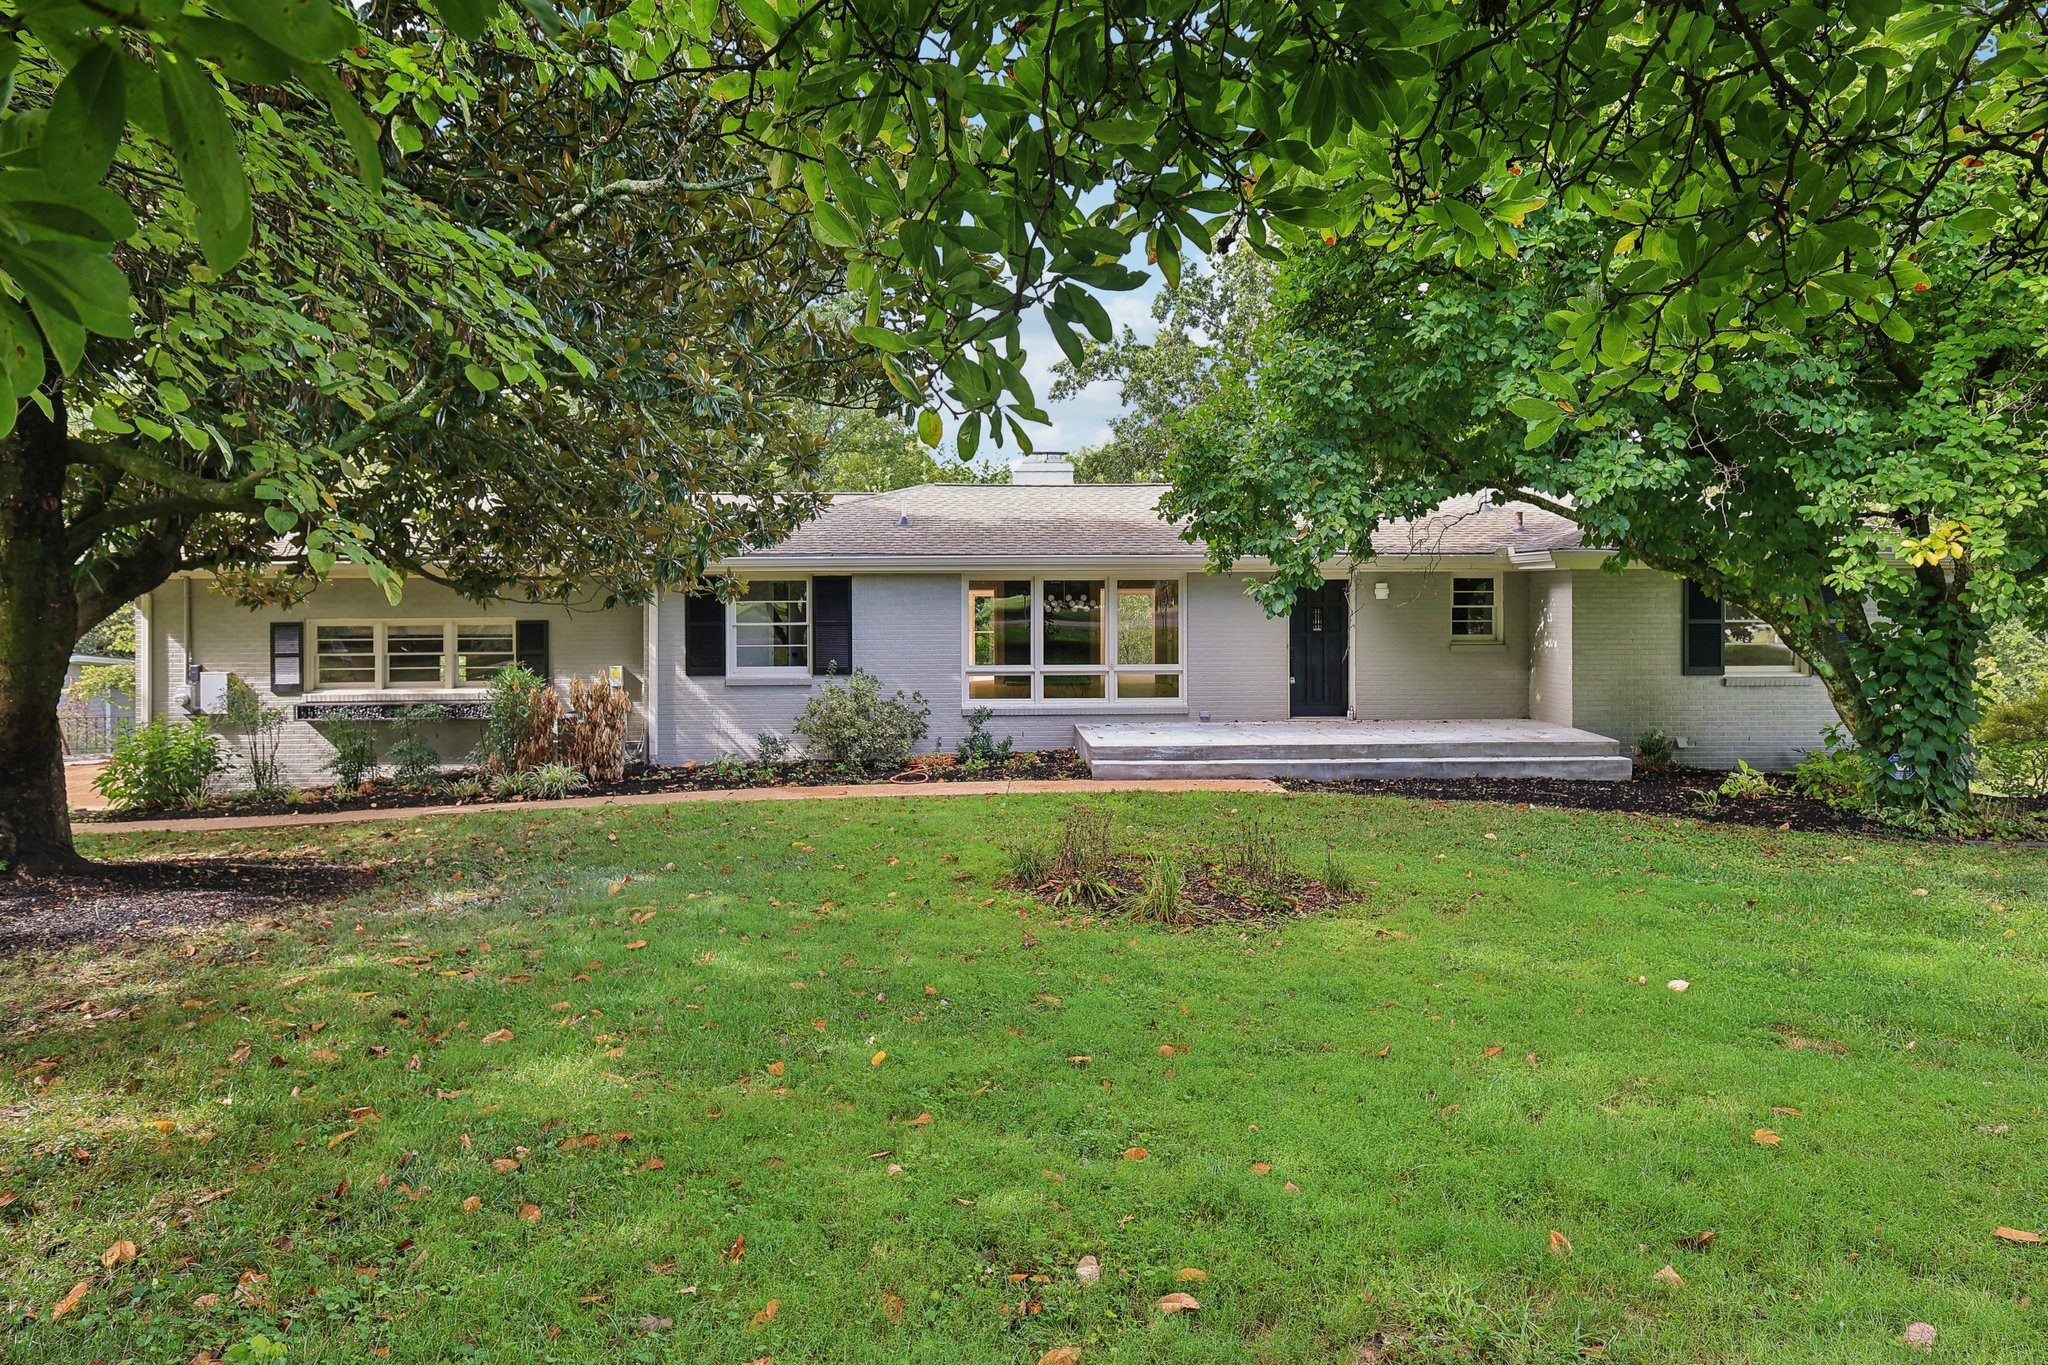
402 1127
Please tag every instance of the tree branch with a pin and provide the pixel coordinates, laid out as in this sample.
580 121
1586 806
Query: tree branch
626 189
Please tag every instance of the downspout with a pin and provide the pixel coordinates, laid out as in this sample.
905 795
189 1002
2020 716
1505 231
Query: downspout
145 658
650 649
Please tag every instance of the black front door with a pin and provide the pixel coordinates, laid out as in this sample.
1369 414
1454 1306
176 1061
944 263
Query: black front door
1320 637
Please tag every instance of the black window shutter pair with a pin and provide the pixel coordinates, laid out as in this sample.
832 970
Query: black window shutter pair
1703 636
831 612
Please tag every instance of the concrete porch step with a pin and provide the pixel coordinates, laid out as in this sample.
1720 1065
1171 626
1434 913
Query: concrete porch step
1581 768
1335 749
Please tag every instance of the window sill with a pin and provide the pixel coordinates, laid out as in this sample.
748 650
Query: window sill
769 679
1765 679
1162 706
1479 644
396 695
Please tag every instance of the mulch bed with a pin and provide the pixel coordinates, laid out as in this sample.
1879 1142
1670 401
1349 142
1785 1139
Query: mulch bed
1037 765
106 903
1661 792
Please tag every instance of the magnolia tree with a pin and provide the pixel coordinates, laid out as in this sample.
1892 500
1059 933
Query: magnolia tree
410 284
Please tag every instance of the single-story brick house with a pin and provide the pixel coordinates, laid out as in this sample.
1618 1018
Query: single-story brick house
1057 605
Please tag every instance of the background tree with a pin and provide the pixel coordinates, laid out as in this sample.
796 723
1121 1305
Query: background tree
1206 325
1873 491
868 452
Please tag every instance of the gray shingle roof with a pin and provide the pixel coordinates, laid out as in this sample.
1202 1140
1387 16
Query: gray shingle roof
970 521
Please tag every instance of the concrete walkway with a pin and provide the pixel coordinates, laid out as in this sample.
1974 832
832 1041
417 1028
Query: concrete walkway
1071 786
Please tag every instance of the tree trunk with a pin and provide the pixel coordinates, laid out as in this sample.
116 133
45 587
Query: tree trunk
38 627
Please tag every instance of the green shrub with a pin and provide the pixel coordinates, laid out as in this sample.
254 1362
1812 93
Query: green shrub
162 764
414 762
552 781
772 749
1837 773
354 760
2012 747
1656 748
520 719
1745 782
853 725
980 749
260 731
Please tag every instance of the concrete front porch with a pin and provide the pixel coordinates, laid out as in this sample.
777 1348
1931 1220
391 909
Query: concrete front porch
1324 749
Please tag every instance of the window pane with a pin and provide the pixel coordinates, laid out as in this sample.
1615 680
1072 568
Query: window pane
1749 643
347 654
413 655
999 687
1472 607
481 651
1074 686
999 621
1147 622
771 624
1147 685
1074 614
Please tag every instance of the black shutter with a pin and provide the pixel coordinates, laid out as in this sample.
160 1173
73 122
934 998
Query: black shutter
1703 618
287 658
703 635
530 646
832 625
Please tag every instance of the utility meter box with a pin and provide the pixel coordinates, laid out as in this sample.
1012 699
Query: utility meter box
213 692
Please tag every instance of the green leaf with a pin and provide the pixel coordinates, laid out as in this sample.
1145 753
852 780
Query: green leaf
21 350
881 338
1895 326
355 125
930 428
482 379
280 520
203 142
468 18
87 116
310 30
1707 383
833 227
967 439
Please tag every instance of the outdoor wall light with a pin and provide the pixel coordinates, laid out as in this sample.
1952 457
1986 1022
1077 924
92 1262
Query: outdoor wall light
1380 590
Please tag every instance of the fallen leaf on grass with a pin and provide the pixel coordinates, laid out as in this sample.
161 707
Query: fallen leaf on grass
776 1068
71 1300
1135 1154
581 1141
1061 1355
737 1249
1261 1167
1788 1111
651 1324
1669 1275
653 1163
892 1305
920 1121
206 1301
530 1212
2016 1235
1700 1241
766 1315
1920 1334
119 1253
1179 1303
636 945
501 1035
1764 1137
324 1054
472 1204
1560 1245
505 1165
878 1059
340 1138
1088 1270
1190 1275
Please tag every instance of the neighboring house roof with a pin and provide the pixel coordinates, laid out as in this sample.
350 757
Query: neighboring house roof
958 521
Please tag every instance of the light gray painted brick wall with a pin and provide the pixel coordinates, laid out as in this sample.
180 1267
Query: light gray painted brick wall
223 636
1405 666
909 631
1550 647
1627 679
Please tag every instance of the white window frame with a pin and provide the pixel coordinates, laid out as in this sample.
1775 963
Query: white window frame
1732 615
1499 632
733 666
1038 670
380 635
